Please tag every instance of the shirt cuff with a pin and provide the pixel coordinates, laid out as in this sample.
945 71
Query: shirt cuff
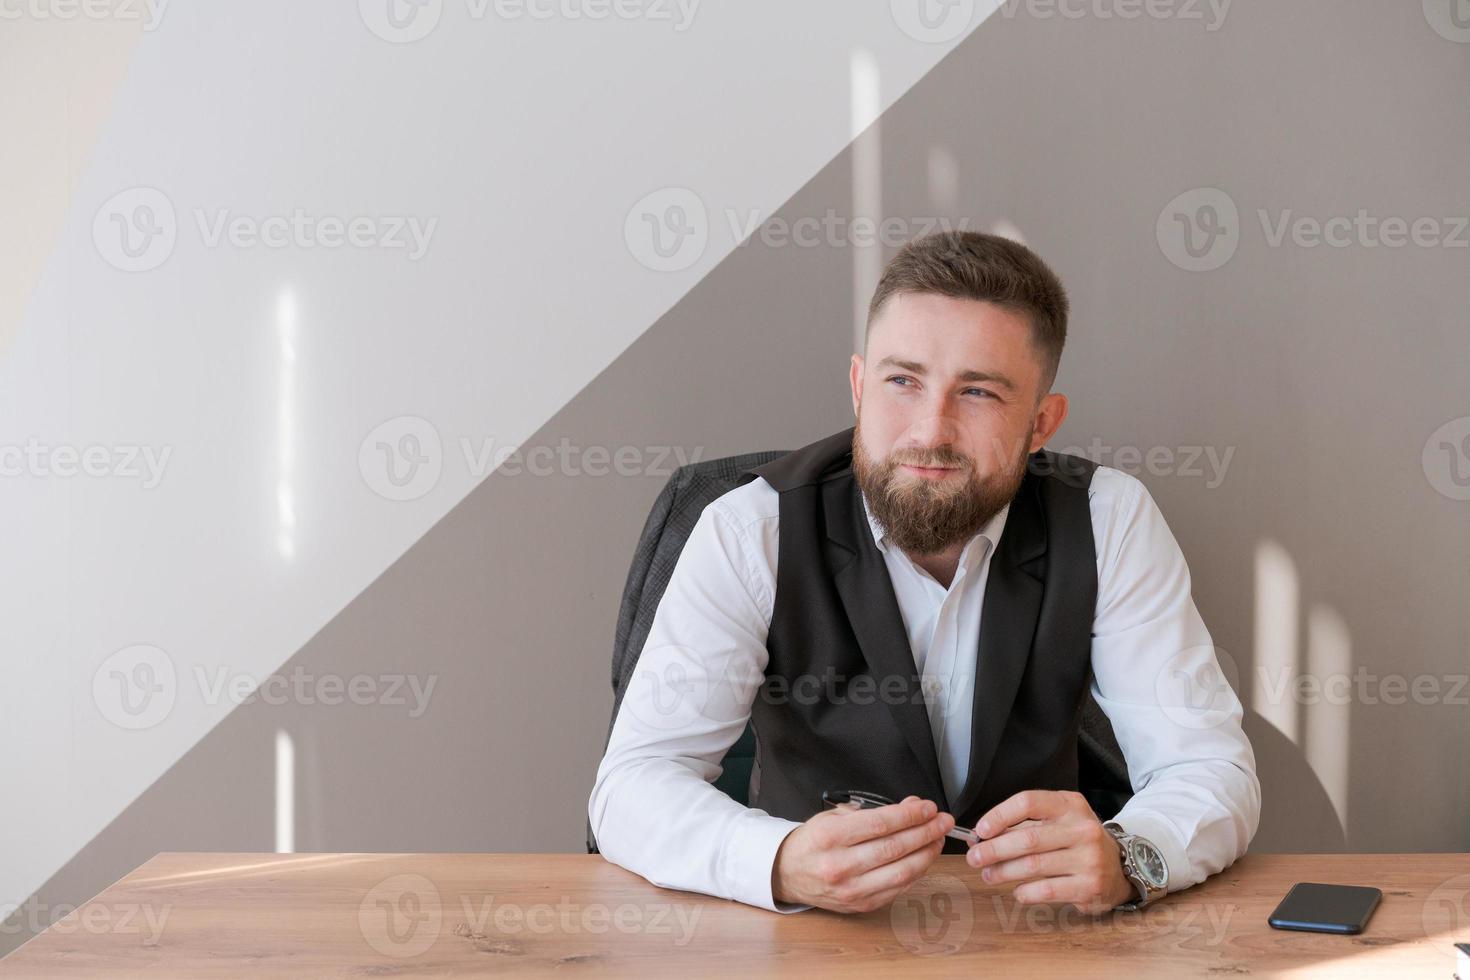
749 859
1161 834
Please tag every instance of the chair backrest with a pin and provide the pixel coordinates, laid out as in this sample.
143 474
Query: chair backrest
1102 773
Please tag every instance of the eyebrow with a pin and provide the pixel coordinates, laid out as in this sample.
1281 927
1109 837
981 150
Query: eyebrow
970 374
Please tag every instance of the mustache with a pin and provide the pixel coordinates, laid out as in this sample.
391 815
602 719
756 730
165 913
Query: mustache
936 459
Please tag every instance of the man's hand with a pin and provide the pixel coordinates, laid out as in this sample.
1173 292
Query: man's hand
1055 845
850 860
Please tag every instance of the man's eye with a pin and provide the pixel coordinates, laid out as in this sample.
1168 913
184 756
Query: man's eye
980 391
899 377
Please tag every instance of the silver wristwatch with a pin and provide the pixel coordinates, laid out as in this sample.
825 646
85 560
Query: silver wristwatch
1143 865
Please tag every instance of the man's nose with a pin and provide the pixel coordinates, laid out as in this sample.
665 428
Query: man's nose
936 430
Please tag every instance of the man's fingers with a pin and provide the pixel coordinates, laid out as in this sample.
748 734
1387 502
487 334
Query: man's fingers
854 828
885 850
1047 864
1028 838
1033 804
897 875
1080 890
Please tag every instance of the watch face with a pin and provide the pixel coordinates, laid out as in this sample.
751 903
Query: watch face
1150 863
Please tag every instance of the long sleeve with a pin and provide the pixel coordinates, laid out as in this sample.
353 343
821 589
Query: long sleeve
653 808
1158 679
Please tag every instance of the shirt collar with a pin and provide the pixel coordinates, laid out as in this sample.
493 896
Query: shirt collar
991 532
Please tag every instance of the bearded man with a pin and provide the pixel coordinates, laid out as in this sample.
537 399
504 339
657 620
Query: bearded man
918 608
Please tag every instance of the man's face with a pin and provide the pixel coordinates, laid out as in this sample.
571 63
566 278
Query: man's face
949 405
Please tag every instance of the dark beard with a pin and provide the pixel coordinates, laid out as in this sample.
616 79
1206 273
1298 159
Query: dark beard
922 517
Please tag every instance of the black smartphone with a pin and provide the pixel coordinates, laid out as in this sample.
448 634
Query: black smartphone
1312 907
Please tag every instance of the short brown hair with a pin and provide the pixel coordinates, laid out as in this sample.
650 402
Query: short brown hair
973 265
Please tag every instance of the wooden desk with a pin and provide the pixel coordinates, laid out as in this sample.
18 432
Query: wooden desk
420 915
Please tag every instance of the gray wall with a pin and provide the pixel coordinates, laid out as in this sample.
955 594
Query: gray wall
1331 542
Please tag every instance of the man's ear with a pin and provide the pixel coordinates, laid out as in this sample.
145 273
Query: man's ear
1050 415
855 379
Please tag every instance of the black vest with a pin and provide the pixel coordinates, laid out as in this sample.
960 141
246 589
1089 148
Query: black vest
841 705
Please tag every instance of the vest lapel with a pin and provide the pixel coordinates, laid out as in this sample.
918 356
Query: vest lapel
861 577
1007 625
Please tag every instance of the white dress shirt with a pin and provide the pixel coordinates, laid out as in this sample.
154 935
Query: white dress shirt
655 811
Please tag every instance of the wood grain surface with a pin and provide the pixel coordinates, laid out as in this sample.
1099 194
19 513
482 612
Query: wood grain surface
442 915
